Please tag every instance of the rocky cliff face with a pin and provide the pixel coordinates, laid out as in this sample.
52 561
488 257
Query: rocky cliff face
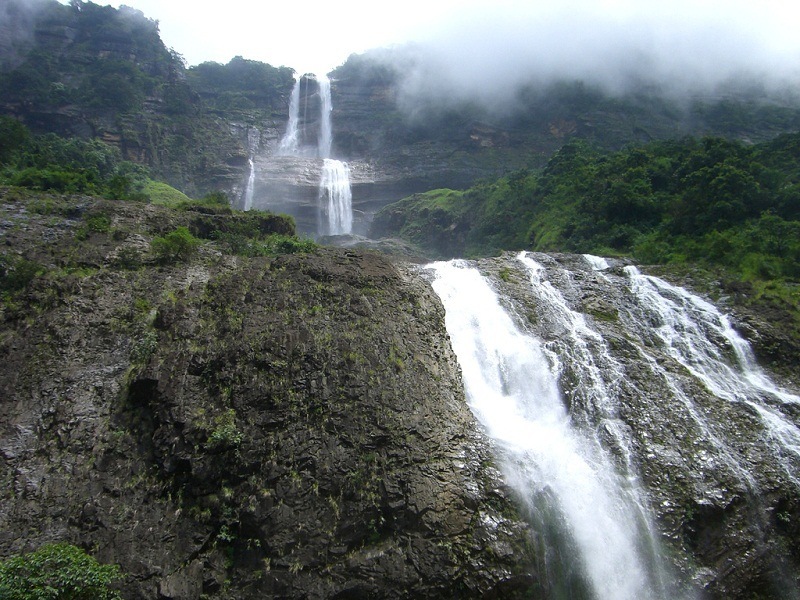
294 425
288 426
716 456
395 148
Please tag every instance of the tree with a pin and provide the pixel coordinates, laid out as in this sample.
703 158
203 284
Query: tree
13 136
57 572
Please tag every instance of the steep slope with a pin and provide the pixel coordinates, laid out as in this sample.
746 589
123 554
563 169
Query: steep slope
94 71
282 426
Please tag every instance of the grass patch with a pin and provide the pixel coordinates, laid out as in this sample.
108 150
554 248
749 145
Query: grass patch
163 194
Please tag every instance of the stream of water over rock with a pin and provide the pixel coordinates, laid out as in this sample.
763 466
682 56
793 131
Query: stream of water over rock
631 419
249 190
335 197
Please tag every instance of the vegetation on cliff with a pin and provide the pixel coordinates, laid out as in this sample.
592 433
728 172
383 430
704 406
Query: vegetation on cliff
59 572
710 200
722 205
248 416
89 71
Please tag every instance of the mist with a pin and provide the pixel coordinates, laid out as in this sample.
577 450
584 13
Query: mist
486 56
17 18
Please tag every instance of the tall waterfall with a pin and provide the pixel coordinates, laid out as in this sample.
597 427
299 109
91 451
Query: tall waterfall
334 196
253 139
597 533
325 140
251 182
290 143
336 199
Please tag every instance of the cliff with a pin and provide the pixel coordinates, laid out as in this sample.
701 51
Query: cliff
97 72
92 71
290 425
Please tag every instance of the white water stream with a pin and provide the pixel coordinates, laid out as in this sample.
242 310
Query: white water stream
334 196
251 182
325 140
597 524
290 143
697 335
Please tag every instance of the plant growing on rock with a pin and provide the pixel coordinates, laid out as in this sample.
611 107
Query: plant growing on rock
225 433
58 572
16 273
176 246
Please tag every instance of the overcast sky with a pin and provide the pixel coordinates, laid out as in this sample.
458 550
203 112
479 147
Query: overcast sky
317 36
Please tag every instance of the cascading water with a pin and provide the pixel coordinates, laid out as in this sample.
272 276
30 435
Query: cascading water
290 144
697 335
251 182
596 547
335 197
325 140
687 325
253 139
629 417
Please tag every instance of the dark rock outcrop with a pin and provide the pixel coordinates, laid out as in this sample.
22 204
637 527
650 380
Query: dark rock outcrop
289 426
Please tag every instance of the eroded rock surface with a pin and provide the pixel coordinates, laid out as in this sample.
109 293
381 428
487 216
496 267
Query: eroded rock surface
289 426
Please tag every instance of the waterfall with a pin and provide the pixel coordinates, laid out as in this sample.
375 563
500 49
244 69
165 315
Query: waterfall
698 336
586 511
290 144
688 325
325 127
248 192
335 197
598 263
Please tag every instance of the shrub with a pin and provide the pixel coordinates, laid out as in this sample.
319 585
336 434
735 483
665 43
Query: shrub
57 572
225 433
17 273
98 223
178 245
243 244
163 194
128 258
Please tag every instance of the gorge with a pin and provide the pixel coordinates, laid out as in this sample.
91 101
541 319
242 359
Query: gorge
195 390
296 425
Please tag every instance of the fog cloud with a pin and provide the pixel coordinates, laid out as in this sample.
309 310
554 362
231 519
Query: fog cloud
17 18
486 55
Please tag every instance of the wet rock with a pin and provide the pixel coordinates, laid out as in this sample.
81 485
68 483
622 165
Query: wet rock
289 426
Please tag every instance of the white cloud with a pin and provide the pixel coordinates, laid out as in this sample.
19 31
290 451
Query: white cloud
488 43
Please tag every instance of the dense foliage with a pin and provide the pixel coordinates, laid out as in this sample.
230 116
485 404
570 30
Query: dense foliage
50 162
706 201
57 572
85 70
241 84
86 55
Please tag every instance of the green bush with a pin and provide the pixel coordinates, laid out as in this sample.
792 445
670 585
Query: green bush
178 245
164 195
13 135
16 273
225 433
57 572
243 244
98 223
